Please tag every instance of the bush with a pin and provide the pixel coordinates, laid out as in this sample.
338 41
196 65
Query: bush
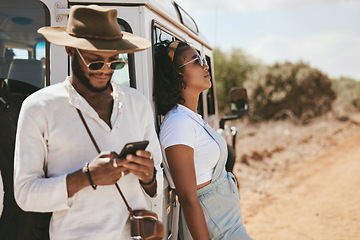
289 90
231 70
348 91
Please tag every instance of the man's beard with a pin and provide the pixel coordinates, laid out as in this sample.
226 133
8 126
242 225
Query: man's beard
79 74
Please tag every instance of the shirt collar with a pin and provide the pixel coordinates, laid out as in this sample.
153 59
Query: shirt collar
79 102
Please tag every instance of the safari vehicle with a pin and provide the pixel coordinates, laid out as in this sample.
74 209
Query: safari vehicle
28 62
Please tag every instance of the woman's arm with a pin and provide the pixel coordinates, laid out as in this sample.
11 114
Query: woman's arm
181 163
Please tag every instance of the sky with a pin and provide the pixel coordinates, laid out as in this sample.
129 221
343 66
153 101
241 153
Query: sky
322 33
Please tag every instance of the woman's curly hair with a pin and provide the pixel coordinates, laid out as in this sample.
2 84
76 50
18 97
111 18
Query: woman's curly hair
168 83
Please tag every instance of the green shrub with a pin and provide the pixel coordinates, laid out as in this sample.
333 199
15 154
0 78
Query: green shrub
288 89
348 91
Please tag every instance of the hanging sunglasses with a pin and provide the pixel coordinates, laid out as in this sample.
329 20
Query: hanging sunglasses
201 61
98 65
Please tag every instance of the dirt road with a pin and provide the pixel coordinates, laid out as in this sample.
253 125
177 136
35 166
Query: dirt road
318 198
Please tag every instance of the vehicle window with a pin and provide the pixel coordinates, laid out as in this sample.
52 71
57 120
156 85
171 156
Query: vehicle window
210 96
125 76
161 35
122 76
187 20
22 49
200 108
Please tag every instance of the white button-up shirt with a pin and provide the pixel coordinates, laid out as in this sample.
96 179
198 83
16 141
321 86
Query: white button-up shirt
52 141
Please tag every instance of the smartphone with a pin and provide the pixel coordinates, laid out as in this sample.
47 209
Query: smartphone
131 148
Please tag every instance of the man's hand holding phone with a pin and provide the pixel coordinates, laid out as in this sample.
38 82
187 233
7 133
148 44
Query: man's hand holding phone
132 159
139 162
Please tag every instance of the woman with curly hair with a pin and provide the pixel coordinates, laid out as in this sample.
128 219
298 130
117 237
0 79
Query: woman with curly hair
194 152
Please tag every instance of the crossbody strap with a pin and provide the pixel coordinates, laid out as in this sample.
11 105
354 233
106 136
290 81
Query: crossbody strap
98 149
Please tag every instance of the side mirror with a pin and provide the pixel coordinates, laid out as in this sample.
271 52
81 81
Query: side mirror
238 105
238 101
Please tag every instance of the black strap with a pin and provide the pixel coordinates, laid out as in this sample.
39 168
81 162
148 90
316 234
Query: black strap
98 149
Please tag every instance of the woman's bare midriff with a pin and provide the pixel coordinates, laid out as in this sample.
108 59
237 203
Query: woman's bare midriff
203 184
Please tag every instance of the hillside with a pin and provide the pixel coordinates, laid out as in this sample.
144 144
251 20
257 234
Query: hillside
300 182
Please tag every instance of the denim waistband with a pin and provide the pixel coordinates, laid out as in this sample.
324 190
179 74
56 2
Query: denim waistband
224 176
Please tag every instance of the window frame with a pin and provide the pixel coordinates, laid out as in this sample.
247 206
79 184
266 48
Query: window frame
131 57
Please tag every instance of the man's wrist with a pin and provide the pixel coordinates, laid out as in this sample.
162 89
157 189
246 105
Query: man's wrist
87 171
150 187
153 180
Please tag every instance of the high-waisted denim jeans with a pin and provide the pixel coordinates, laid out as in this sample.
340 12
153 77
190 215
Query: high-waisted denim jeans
220 201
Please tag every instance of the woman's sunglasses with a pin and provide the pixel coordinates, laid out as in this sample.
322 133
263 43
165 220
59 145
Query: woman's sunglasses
98 65
201 61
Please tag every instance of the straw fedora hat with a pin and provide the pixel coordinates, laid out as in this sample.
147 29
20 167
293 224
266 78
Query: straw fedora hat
94 28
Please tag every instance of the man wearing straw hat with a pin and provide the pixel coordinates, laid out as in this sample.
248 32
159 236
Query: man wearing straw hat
57 166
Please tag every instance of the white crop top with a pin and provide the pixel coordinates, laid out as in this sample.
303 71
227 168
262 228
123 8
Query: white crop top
181 126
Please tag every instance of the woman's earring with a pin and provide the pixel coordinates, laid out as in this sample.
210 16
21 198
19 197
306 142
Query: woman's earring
183 85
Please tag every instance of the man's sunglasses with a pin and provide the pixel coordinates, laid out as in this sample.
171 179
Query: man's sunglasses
201 61
98 65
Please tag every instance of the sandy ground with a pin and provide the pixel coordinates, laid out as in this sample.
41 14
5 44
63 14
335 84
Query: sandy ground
300 182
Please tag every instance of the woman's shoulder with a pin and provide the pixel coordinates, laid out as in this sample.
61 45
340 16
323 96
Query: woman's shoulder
175 116
178 123
177 128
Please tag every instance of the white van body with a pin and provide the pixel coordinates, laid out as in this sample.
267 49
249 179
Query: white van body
154 20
